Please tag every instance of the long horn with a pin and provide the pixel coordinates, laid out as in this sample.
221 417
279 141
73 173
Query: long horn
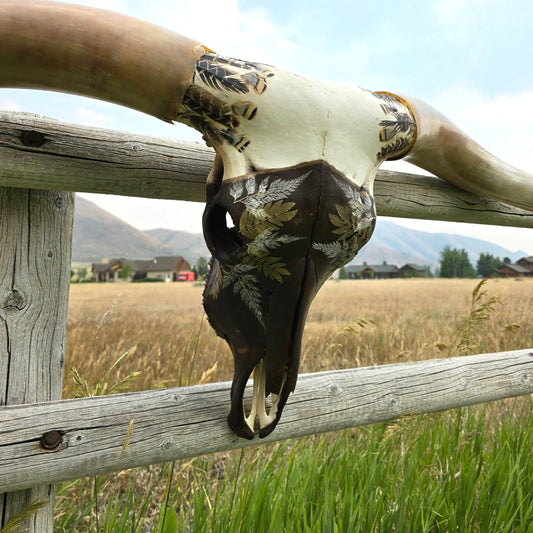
95 53
450 154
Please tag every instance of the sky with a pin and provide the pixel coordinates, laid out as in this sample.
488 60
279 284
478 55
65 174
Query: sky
471 59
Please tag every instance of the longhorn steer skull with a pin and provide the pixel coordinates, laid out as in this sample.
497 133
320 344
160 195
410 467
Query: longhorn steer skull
295 164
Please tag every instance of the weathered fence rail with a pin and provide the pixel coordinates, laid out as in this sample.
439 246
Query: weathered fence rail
102 434
43 441
40 153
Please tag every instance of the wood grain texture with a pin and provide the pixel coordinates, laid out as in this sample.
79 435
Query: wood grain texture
35 250
185 422
83 159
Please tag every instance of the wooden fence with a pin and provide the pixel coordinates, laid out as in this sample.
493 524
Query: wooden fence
44 440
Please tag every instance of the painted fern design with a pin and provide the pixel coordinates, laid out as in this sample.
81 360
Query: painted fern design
356 197
395 149
387 100
258 254
390 128
215 280
267 241
208 105
266 211
236 190
254 195
217 120
345 221
397 129
246 285
247 288
340 252
269 216
227 74
279 189
272 267
353 224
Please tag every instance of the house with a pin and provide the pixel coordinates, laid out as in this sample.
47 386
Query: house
165 268
107 270
526 262
364 271
410 270
511 270
386 271
354 271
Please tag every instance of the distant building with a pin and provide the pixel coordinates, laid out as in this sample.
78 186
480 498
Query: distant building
107 270
354 271
165 268
385 271
410 270
526 262
364 271
522 268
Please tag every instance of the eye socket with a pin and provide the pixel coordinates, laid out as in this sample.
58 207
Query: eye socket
222 241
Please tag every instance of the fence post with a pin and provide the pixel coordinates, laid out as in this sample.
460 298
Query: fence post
35 253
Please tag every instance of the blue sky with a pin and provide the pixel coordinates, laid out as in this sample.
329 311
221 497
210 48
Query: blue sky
469 58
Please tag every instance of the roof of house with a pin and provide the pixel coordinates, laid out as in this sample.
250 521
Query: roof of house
104 267
412 266
527 259
513 266
355 268
383 268
139 264
159 263
171 262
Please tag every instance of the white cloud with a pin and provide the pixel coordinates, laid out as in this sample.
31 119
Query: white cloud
501 124
460 12
224 26
90 117
448 9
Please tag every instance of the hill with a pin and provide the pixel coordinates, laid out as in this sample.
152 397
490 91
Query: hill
99 234
398 245
189 245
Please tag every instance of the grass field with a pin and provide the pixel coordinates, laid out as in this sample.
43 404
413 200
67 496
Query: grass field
466 470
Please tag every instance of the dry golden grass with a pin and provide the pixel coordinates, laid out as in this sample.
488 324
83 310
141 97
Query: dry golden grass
351 323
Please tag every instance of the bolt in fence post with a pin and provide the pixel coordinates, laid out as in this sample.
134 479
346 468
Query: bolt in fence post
35 254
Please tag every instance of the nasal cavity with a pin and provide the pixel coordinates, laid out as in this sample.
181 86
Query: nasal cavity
221 235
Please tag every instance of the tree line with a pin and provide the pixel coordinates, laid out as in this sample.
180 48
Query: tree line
455 263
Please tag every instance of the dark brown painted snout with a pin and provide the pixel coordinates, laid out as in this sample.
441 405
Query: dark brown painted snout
267 269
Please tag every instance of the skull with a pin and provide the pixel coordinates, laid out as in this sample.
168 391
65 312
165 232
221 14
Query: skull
266 270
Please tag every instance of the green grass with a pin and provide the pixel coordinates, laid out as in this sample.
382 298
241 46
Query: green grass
437 473
461 471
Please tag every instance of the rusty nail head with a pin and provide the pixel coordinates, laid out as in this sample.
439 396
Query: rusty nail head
51 439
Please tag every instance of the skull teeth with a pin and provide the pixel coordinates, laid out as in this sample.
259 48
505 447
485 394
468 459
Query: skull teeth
258 401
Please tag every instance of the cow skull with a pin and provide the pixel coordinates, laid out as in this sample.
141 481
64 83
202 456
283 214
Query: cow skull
294 170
